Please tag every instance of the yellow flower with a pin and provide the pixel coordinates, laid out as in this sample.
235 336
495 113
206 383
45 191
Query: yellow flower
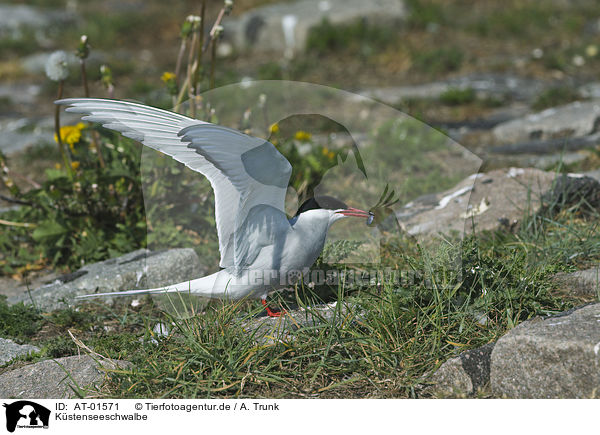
57 166
274 128
70 134
167 77
329 154
75 165
304 136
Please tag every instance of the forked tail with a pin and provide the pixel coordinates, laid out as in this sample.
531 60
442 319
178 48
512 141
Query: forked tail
204 286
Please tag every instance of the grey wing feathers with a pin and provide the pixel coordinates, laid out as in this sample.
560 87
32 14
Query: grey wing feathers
244 171
257 170
159 129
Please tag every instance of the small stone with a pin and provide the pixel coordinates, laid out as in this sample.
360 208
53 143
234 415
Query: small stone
578 60
10 350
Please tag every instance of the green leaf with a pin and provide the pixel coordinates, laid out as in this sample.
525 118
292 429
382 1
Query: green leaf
54 174
48 229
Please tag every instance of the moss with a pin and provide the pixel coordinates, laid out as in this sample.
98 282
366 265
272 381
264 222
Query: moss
555 97
358 38
456 96
18 321
438 60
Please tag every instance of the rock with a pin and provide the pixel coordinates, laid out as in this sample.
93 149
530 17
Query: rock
20 93
284 27
493 200
550 161
582 283
271 329
545 162
571 120
593 174
574 191
13 287
485 85
463 375
542 147
136 270
49 380
19 133
10 350
590 90
484 123
14 18
556 357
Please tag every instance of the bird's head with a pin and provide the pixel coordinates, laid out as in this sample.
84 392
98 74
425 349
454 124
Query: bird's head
327 207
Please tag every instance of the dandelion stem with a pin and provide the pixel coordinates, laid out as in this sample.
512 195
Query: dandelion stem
191 73
182 48
61 145
213 29
16 224
190 85
86 91
200 50
213 60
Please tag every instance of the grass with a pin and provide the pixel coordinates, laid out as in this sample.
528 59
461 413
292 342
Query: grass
438 60
383 342
357 38
555 96
522 20
18 321
457 96
18 47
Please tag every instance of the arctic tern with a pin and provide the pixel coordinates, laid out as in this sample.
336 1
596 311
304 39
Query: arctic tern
261 249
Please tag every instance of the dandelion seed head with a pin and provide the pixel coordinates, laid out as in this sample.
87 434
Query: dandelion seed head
57 66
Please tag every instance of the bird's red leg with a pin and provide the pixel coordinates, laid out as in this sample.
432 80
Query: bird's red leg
270 312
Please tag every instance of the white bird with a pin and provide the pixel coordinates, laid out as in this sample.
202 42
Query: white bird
261 249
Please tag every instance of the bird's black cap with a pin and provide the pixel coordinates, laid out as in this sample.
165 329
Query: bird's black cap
324 202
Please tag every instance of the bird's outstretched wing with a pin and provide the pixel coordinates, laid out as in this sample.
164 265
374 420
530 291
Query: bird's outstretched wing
244 171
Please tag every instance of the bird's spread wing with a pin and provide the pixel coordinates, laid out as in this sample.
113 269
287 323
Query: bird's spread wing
244 171
260 175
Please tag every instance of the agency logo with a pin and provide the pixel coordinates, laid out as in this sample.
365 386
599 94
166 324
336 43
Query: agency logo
26 415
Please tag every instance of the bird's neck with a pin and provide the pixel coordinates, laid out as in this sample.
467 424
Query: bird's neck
311 228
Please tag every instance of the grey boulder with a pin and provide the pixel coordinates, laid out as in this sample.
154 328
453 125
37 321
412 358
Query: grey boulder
462 376
486 201
284 27
57 379
571 120
582 283
136 270
556 357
